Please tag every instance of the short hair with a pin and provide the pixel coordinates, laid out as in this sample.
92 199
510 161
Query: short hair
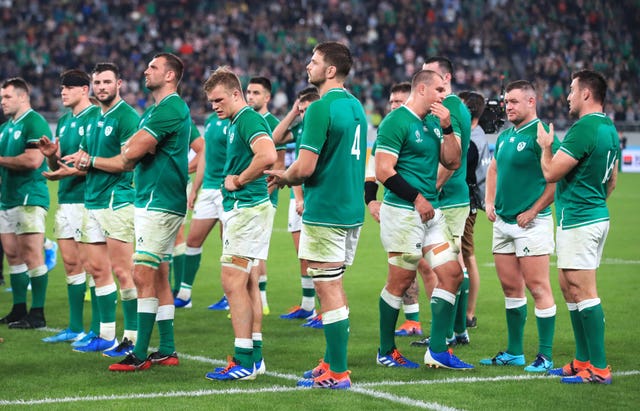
106 66
222 76
474 102
444 63
307 90
174 63
594 81
523 85
423 76
75 78
337 55
18 83
312 96
403 87
263 81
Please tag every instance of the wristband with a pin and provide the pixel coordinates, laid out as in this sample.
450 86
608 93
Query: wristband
93 161
236 182
401 188
370 191
447 130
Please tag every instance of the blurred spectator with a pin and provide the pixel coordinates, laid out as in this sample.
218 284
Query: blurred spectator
540 41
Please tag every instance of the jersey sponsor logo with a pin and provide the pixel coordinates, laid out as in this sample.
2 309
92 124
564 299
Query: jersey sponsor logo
521 145
108 130
81 131
17 134
73 124
62 129
231 137
512 139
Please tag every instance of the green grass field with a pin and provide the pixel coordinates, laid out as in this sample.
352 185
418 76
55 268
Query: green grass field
41 376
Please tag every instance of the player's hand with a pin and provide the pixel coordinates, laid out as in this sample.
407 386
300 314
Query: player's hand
545 139
299 207
490 210
191 199
424 208
230 183
275 178
525 218
440 111
62 172
374 209
75 158
47 147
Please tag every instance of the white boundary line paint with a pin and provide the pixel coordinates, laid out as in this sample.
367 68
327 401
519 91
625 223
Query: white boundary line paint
359 388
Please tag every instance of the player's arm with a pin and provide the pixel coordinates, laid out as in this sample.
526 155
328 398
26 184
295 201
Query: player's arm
554 167
451 147
613 180
386 173
371 189
546 198
139 145
264 156
444 174
281 134
31 159
197 146
197 180
300 170
490 190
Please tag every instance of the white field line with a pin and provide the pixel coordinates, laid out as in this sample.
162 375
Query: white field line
359 388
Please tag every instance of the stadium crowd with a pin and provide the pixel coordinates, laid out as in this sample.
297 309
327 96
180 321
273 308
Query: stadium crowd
542 41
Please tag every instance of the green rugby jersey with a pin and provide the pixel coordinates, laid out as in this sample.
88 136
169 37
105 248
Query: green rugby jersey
581 194
519 181
273 123
161 179
69 132
416 144
24 187
113 128
335 128
215 150
296 134
455 191
245 126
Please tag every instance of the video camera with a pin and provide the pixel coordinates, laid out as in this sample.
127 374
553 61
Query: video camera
493 116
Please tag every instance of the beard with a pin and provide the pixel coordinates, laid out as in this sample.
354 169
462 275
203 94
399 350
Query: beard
107 100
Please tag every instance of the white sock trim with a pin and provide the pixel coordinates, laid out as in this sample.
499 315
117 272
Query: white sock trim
546 312
262 279
128 294
511 303
308 303
108 331
18 269
411 308
166 312
38 271
148 305
193 251
392 300
246 343
588 303
444 295
106 290
179 249
572 306
90 281
336 315
76 279
307 282
256 336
